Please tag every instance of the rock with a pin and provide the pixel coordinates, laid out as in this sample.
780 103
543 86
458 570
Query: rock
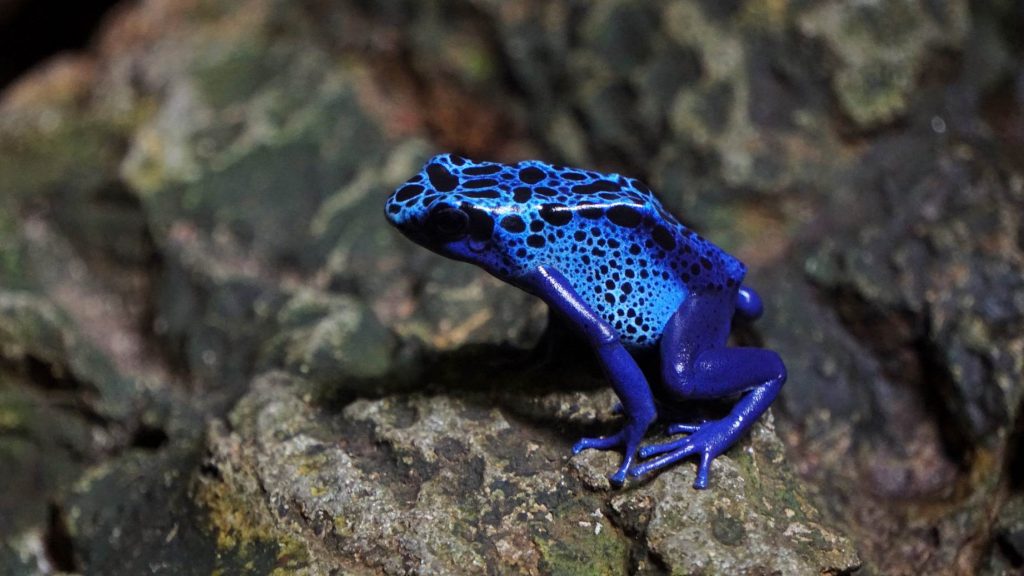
230 243
1009 538
940 305
36 340
67 160
43 447
213 318
756 519
454 484
138 514
882 49
335 341
64 409
13 265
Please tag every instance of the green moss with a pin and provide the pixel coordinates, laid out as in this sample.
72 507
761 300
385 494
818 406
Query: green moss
243 537
585 554
581 542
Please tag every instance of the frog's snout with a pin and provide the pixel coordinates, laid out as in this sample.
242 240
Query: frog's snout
404 204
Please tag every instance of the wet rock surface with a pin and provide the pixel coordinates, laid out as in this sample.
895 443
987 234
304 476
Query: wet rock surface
212 346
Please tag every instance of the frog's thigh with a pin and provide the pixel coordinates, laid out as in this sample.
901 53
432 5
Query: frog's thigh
701 324
727 371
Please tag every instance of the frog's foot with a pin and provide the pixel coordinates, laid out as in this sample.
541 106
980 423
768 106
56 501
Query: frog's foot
655 449
684 428
708 440
610 443
703 468
602 443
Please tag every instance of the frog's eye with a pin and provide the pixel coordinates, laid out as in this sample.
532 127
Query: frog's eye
447 223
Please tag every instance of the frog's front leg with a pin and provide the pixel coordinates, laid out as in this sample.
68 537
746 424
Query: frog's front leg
627 379
696 363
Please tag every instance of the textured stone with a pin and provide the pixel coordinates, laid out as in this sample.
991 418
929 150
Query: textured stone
453 484
882 48
756 521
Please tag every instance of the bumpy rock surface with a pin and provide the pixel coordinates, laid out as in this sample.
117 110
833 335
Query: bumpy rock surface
215 356
461 484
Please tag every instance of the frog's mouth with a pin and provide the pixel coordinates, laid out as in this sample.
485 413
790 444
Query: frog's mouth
478 246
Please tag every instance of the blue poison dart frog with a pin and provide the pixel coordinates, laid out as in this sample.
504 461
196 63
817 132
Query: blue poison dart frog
605 255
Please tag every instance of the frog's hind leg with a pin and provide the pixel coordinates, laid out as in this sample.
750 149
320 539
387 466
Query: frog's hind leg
696 364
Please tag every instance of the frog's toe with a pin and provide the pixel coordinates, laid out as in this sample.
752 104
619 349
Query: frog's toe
602 443
655 449
703 442
683 428
610 443
701 482
680 449
619 477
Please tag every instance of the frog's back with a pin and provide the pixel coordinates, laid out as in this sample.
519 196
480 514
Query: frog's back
624 254
627 256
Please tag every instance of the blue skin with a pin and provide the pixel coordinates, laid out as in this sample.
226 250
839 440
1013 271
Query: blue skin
604 254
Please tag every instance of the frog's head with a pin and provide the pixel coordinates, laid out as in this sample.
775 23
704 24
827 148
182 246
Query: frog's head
450 207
